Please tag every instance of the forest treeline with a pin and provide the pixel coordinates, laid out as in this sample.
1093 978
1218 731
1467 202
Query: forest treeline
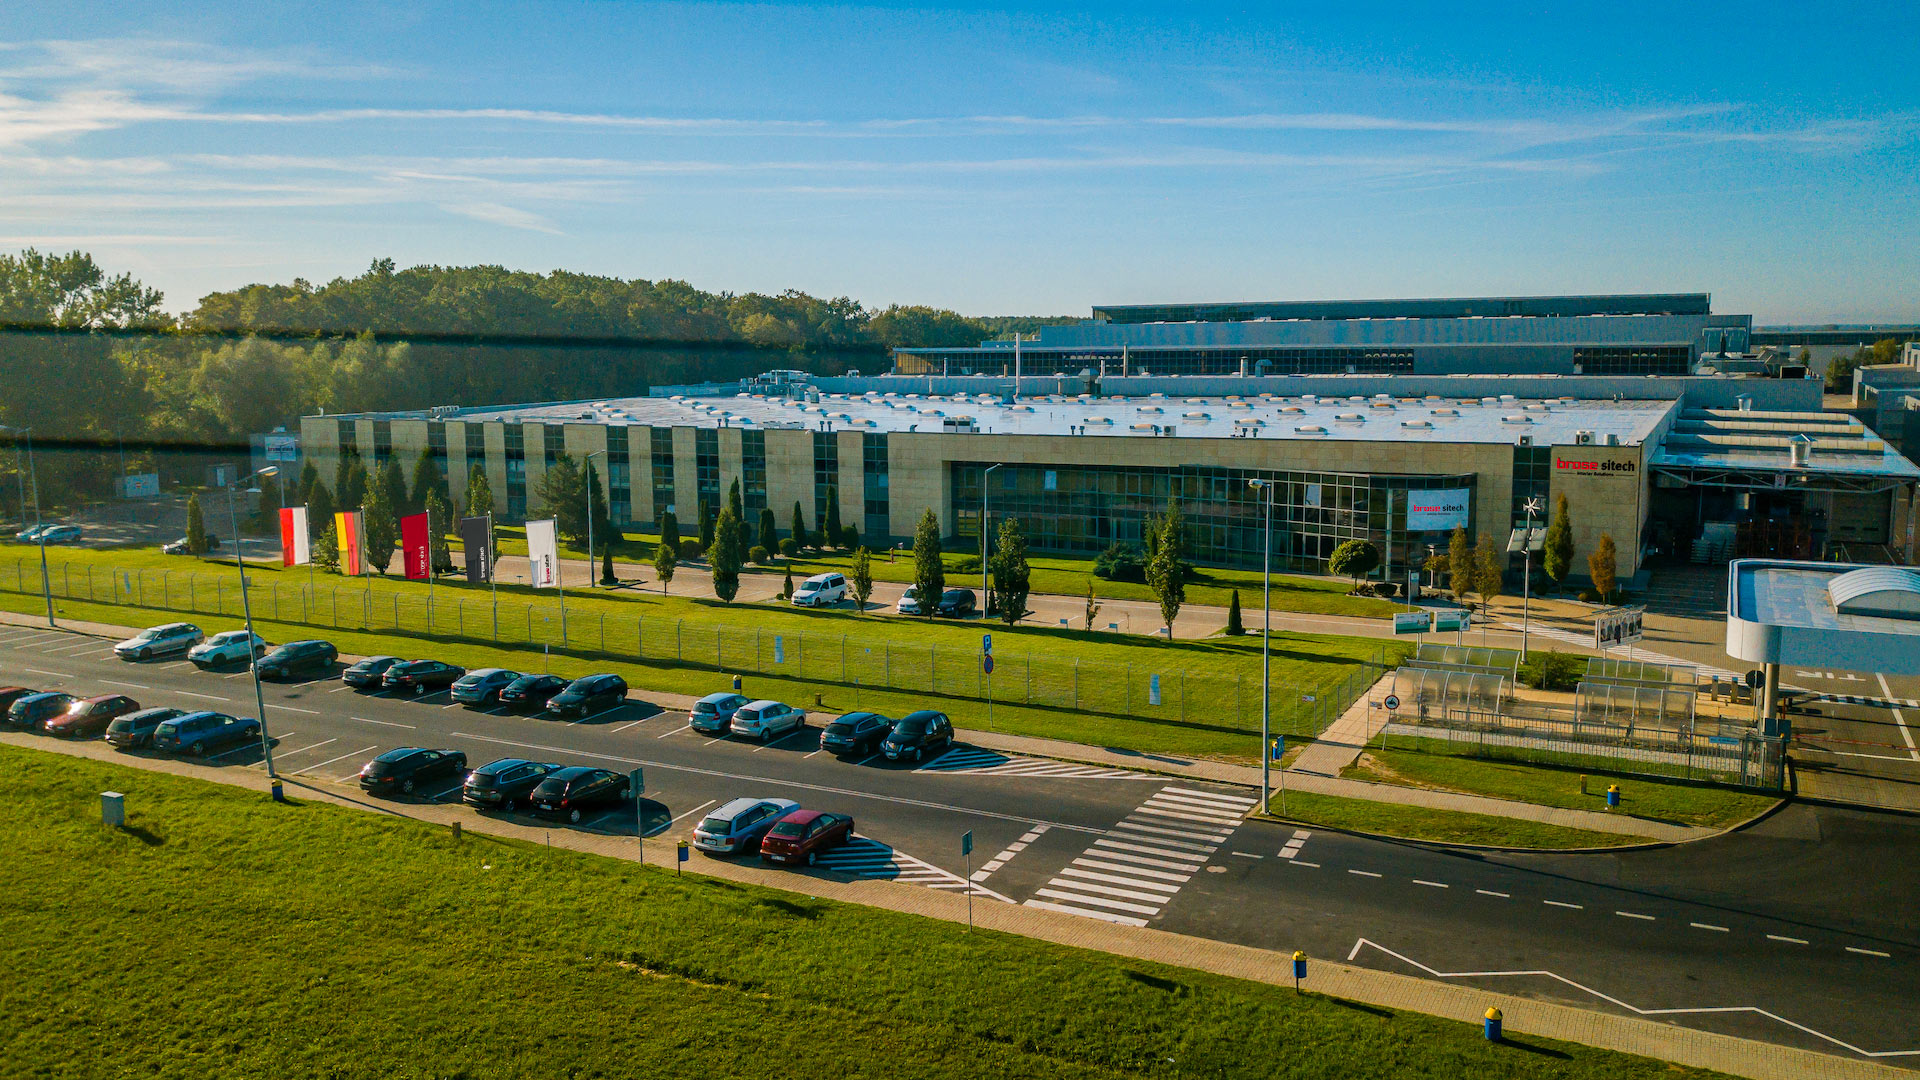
90 358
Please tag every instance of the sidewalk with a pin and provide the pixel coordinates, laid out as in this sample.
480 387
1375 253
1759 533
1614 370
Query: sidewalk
1523 1016
1340 745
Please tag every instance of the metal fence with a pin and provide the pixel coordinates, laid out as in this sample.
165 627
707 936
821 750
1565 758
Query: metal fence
1222 692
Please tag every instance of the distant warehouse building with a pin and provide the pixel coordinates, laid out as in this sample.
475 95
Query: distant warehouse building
1655 463
1647 334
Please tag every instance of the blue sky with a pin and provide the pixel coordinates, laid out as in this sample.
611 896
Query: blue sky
986 158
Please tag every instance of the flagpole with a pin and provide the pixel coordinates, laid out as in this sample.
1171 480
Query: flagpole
493 579
429 513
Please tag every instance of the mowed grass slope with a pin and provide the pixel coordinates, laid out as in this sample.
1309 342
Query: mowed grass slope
222 936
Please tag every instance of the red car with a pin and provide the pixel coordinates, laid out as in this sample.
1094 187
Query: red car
802 835
89 717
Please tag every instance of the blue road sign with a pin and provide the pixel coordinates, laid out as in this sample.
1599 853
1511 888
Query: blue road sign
986 663
966 842
1279 747
986 643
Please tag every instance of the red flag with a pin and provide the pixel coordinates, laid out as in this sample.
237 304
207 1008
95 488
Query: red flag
414 547
295 546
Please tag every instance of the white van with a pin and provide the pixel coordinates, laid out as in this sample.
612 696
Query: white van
821 590
910 602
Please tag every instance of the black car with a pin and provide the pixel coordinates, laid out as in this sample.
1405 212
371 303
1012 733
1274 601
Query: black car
401 771
588 695
368 672
856 733
918 735
420 676
296 657
532 692
135 730
574 792
34 710
504 784
183 546
955 603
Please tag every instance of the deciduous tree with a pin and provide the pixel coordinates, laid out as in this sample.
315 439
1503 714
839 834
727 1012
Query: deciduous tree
860 577
1012 577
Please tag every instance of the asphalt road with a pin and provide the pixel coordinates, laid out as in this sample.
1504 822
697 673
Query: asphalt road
1798 930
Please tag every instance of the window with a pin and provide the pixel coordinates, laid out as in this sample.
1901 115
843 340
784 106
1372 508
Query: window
873 459
826 474
437 445
753 474
619 478
476 444
382 442
555 440
706 467
516 472
662 459
349 435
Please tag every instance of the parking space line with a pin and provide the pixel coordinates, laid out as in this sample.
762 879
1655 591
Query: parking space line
250 744
55 674
129 685
1788 940
290 753
382 723
1432 884
1363 873
295 708
625 726
207 697
1634 915
801 730
1302 862
449 791
342 757
1708 926
451 705
1870 952
1490 892
672 821
339 689
676 731
1564 904
1246 854
866 759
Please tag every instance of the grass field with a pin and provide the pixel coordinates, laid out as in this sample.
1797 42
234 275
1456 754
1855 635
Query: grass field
1438 826
221 936
1545 785
1097 688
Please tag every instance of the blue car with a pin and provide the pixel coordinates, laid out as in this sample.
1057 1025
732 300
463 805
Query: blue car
713 714
202 733
482 687
738 826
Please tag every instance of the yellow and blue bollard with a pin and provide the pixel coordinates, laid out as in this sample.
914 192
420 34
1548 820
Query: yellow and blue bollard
1493 1025
1613 796
736 683
279 794
1299 969
682 858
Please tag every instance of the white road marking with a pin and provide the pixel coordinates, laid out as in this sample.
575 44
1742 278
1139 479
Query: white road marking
1634 915
449 791
1123 868
1164 864
339 689
296 708
1708 926
781 739
1564 904
1490 892
866 759
1899 718
342 757
1109 916
1363 873
250 744
207 697
675 731
1432 884
1788 940
1108 890
1209 842
1155 886
689 813
1097 901
1869 952
304 749
1303 862
625 726
382 723
63 675
129 685
1247 855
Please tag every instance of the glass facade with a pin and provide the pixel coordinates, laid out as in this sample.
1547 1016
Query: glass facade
1532 476
826 474
555 438
873 462
349 435
662 458
1633 360
476 445
437 445
516 472
706 463
1256 360
382 443
1086 508
619 478
753 475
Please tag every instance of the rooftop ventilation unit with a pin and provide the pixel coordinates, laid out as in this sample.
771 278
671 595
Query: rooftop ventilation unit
1583 438
1196 416
1526 440
1292 409
1351 418
1800 451
1415 424
1613 438
1516 419
959 424
1446 412
1310 429
1151 409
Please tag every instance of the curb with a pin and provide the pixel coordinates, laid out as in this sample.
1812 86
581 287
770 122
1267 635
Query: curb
1446 845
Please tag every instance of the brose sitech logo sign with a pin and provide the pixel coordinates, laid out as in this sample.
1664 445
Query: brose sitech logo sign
1598 468
1439 510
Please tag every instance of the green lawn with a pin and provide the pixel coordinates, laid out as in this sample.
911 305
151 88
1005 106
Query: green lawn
1546 785
223 936
1086 687
1438 826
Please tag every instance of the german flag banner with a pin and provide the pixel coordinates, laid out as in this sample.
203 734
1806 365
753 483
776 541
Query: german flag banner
352 528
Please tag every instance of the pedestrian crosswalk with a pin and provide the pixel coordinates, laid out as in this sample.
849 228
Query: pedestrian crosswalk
976 762
1135 870
864 858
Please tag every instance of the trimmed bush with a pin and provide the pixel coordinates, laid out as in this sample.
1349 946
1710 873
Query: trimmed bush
1121 561
759 555
1552 670
690 549
789 547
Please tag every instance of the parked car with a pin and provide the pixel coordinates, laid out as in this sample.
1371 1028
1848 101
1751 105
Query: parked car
89 718
182 547
58 534
228 647
419 676
802 835
821 590
401 771
11 694
910 602
588 695
504 784
368 672
738 826
918 735
295 657
34 710
955 604
482 686
767 720
30 534
201 733
570 793
530 693
856 733
164 640
713 714
135 730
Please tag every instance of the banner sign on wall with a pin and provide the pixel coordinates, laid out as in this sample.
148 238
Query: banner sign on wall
543 554
140 485
1437 511
477 537
295 543
351 528
281 447
415 547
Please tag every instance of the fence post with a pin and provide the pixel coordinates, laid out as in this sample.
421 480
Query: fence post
843 658
603 631
1076 682
192 594
66 580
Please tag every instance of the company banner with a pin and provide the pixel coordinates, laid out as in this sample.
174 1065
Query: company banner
477 538
416 547
351 527
1437 511
1412 622
543 554
295 543
1617 626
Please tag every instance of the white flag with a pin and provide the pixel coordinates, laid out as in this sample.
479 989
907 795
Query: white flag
543 554
295 546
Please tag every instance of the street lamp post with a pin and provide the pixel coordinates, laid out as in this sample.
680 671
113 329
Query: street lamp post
592 573
246 608
985 493
1532 507
1266 651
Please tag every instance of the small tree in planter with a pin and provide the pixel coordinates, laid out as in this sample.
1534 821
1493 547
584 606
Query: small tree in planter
1355 559
860 576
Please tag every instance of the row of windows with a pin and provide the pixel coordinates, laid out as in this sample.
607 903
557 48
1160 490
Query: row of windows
1255 360
1532 475
753 473
878 508
516 472
706 461
619 478
662 458
1633 360
826 474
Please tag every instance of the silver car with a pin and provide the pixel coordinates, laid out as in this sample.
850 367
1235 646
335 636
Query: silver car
739 825
230 647
767 720
160 641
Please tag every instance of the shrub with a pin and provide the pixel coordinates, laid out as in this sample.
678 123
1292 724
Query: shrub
789 547
1588 596
965 564
1121 561
1552 670
691 549
759 555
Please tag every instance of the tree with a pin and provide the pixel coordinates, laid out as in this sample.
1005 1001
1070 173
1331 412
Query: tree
603 531
350 480
861 577
383 529
725 556
830 532
850 536
799 529
786 588
706 525
440 517
197 527
1460 563
395 480
1166 571
1012 577
1093 606
669 531
479 491
1603 564
326 549
303 487
1234 627
742 538
319 508
562 492
929 572
1354 559
1557 557
1488 575
427 479
666 557
769 532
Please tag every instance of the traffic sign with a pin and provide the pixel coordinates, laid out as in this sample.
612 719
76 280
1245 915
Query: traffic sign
1412 622
639 783
986 663
1279 747
986 643
966 842
1392 702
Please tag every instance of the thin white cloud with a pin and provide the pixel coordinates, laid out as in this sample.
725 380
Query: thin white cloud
496 214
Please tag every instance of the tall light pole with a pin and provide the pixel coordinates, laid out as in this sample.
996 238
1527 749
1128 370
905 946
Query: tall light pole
246 608
592 572
1532 507
985 491
1266 651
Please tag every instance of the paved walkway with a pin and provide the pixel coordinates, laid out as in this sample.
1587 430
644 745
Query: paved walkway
1340 745
1522 1016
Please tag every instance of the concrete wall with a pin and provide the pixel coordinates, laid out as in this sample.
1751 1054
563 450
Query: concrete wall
790 476
1606 490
